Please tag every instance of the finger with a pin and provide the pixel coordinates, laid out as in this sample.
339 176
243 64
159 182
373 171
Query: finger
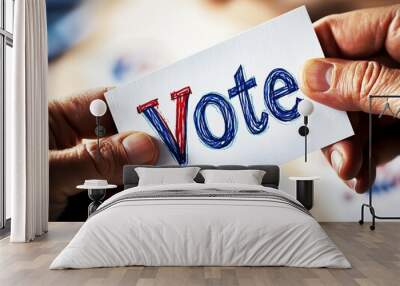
70 167
350 151
385 148
70 119
361 33
345 85
352 158
362 181
345 157
385 145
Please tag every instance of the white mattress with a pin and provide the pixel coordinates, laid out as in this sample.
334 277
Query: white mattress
200 231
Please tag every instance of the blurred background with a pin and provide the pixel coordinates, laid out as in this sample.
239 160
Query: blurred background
96 43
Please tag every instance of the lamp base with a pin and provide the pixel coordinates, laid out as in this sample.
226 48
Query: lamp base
303 130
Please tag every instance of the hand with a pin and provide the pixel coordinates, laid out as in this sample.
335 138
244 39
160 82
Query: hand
71 161
363 50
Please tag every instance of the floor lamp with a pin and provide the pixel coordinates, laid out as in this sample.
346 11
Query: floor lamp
98 108
305 108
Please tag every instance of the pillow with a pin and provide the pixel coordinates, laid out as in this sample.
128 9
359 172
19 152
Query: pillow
247 177
165 176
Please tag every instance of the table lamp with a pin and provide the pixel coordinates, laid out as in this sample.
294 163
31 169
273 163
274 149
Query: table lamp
305 108
98 108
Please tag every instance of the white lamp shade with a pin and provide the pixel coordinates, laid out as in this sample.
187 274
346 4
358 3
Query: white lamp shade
98 107
305 107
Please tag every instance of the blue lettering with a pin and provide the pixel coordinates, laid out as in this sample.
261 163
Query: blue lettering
255 125
228 115
272 95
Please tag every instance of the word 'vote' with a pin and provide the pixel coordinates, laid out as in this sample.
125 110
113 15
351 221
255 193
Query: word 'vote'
255 124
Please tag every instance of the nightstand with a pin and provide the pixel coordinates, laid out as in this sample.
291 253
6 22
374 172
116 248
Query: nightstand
305 190
96 192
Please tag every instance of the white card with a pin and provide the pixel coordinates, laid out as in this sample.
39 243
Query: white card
234 103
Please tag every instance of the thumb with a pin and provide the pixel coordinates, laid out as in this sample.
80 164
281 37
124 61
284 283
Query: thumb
70 167
345 85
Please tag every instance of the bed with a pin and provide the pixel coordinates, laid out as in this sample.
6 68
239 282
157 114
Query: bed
198 224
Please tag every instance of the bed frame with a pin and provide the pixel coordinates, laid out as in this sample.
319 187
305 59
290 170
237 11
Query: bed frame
271 177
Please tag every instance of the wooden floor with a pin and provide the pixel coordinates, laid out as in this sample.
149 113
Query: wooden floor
375 257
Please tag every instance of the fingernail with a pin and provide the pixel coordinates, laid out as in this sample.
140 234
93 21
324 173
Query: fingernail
336 160
139 148
317 75
351 183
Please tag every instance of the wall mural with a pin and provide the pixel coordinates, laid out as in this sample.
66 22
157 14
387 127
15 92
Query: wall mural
97 43
388 178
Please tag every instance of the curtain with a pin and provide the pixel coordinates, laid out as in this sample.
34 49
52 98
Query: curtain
27 124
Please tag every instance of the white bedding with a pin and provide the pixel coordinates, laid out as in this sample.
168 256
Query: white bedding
200 231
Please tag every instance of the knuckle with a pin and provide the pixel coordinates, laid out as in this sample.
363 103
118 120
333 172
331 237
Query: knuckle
365 79
107 158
